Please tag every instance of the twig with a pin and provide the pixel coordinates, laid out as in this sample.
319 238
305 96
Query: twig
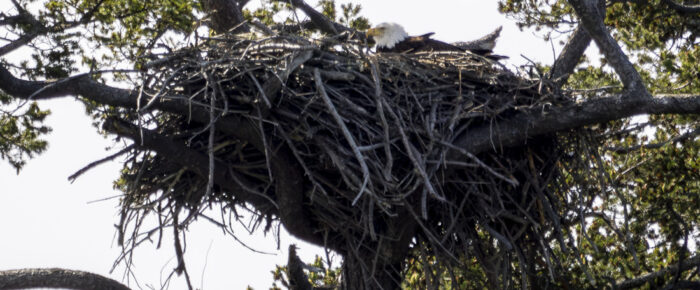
80 172
639 281
679 138
348 136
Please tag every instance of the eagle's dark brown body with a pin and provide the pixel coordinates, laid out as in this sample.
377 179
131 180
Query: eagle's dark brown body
392 38
420 43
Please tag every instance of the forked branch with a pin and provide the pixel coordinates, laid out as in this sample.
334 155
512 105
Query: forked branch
592 20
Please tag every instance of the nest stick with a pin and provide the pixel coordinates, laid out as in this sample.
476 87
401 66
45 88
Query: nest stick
385 124
346 133
80 172
481 163
411 152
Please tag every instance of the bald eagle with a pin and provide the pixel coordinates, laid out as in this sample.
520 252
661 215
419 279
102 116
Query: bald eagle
391 37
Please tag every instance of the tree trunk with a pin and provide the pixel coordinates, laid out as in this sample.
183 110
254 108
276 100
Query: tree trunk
357 275
226 15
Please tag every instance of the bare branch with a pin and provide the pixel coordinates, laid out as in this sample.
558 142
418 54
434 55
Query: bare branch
592 20
678 138
35 29
56 278
637 282
93 164
570 55
346 133
17 43
521 127
683 8
321 21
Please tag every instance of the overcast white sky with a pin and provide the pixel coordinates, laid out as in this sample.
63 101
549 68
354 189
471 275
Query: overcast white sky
47 222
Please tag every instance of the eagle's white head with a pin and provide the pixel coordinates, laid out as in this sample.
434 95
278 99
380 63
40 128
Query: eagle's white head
387 34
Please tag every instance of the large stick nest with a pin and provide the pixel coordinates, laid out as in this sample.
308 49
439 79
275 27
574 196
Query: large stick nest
371 134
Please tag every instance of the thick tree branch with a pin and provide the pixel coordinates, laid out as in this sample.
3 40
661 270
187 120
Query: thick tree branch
56 278
639 281
679 138
226 15
22 40
592 20
24 18
570 55
683 8
518 129
321 21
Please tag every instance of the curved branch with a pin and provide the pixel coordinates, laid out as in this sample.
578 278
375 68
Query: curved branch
56 278
639 281
679 138
518 129
592 19
683 8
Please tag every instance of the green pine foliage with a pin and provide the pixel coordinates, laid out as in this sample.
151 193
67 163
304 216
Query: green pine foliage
21 131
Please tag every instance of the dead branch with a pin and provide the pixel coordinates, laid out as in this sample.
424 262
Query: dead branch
569 57
683 8
56 278
639 281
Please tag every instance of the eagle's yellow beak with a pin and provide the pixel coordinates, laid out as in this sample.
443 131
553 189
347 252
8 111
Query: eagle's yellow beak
374 31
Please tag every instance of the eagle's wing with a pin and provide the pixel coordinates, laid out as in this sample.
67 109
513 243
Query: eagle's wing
425 43
485 43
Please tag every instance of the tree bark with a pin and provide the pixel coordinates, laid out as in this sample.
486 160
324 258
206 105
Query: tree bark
592 19
363 269
357 273
569 57
226 15
523 126
641 280
56 278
